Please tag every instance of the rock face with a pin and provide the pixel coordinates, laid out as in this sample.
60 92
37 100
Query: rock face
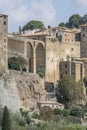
20 90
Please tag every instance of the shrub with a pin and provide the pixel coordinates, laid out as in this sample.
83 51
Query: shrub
17 63
22 122
58 111
64 112
77 112
6 122
35 115
41 72
46 113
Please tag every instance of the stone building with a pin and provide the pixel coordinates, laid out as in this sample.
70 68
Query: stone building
3 41
32 50
51 104
83 48
42 49
75 68
46 49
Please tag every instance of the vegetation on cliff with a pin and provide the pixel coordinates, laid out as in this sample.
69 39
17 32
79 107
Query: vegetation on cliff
69 119
70 92
17 63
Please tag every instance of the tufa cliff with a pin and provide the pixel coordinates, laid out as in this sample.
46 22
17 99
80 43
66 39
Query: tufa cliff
20 90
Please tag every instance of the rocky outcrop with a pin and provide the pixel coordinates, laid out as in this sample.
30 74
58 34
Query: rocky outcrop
20 90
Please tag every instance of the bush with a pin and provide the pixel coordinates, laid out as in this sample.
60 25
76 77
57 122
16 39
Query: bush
46 113
77 112
64 112
17 63
35 115
22 122
41 72
58 112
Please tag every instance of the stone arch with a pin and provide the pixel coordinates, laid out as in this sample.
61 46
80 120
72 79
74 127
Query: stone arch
40 56
30 56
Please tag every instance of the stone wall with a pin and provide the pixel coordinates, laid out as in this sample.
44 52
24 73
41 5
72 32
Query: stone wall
21 90
3 41
56 52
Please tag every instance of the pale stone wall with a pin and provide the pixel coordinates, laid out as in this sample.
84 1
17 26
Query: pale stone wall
3 41
15 46
21 90
56 52
83 48
47 54
74 68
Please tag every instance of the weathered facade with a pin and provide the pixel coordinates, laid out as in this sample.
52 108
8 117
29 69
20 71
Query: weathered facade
32 50
3 41
75 68
46 50
83 48
51 50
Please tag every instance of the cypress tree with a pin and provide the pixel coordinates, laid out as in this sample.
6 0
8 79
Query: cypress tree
6 123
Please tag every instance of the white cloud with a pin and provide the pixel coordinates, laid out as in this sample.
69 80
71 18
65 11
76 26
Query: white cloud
21 11
82 3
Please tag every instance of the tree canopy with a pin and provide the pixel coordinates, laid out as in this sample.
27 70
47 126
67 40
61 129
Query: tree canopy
75 21
17 63
33 24
70 91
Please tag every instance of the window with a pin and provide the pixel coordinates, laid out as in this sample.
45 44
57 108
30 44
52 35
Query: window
83 35
65 65
72 49
4 22
4 40
61 76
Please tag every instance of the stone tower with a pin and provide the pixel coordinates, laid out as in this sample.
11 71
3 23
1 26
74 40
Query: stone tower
84 41
3 41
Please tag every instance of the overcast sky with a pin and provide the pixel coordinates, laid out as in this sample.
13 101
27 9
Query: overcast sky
51 12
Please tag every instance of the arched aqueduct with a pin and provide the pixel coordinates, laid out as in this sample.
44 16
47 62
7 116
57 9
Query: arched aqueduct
33 50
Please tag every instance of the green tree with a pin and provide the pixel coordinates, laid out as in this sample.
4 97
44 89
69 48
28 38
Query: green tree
6 122
75 21
49 26
17 63
70 90
62 24
33 24
84 19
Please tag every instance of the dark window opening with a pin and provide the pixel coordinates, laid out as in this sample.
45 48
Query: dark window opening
72 49
83 35
65 66
4 22
61 76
